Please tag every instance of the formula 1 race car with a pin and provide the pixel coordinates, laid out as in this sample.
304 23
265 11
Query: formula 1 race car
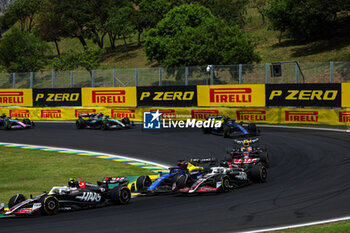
190 171
225 178
77 195
247 154
232 128
99 121
9 123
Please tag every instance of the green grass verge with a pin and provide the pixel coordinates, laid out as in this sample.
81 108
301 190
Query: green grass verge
32 171
339 227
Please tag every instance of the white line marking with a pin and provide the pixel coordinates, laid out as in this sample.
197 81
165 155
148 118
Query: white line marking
307 128
299 225
93 152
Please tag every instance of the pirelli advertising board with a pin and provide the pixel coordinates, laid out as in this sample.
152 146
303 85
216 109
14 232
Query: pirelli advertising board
16 97
318 95
231 95
57 97
109 96
179 96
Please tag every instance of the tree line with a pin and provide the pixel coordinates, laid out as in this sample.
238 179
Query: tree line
172 32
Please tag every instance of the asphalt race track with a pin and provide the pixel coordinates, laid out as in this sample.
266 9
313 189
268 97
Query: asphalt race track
308 181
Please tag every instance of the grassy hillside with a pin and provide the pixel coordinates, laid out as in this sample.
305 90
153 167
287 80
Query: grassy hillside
335 49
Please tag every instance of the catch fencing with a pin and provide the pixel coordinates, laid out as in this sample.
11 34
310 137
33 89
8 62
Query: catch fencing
290 72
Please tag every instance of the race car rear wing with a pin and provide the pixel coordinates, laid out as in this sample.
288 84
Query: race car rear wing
240 142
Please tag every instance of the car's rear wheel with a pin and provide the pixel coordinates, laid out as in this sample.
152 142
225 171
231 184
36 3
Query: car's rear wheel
49 205
143 182
80 123
126 121
264 159
257 174
227 131
120 195
16 199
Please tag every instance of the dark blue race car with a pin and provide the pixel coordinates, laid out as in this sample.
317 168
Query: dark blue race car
100 121
230 127
9 123
183 173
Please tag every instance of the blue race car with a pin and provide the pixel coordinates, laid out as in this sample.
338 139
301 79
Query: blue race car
186 172
230 127
9 123
100 121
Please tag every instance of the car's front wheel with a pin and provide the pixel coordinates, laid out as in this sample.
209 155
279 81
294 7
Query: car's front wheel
16 199
49 205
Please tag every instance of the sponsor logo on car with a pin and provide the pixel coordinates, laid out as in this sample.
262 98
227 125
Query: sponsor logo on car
108 96
89 196
83 111
344 116
11 97
19 113
251 115
120 113
230 95
203 113
301 116
51 114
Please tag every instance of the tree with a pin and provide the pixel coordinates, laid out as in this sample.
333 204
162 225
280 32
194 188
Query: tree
306 19
88 59
190 35
21 51
23 11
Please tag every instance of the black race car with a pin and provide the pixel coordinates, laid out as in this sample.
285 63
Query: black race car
225 178
248 154
9 123
77 195
99 121
230 127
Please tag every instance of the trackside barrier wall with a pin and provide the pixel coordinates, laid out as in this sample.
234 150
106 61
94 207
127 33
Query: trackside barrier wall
257 115
270 103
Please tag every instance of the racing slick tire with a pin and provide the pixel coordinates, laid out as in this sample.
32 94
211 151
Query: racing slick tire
28 122
225 182
257 174
206 130
264 159
126 121
227 131
142 183
49 205
252 128
80 123
16 199
104 125
120 195
181 181
7 124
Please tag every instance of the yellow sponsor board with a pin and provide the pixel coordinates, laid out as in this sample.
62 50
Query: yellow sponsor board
109 96
345 90
16 97
256 115
252 95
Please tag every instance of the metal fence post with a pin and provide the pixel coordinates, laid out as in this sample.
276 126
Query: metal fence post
212 75
31 80
93 78
53 79
114 77
71 79
13 80
160 75
240 73
296 73
186 76
136 77
267 80
331 64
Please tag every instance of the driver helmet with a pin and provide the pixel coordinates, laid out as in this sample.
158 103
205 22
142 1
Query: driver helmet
100 114
246 143
73 183
182 164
